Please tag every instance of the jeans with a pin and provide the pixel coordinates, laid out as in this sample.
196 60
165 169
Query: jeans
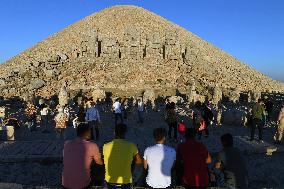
257 123
44 121
32 123
140 116
116 116
116 186
172 126
95 127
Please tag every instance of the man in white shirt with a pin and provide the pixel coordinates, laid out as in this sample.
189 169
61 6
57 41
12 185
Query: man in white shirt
93 119
140 111
159 159
44 111
117 109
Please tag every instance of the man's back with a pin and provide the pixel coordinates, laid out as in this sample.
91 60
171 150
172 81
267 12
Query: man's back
257 111
193 155
77 157
160 159
234 167
118 157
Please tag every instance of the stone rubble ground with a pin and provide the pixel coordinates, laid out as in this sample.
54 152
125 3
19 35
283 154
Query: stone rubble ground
264 171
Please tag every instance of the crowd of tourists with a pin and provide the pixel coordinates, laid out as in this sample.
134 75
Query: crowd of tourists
188 164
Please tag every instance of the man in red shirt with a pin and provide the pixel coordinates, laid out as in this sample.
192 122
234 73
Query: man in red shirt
194 158
78 155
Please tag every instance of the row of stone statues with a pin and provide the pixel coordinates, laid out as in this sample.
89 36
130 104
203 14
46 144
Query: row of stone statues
132 47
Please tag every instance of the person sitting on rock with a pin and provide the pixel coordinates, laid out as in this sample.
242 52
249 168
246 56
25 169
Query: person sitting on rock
119 156
231 162
78 155
159 160
192 162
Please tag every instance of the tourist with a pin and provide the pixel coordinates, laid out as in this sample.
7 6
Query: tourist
193 159
198 119
232 164
140 111
116 107
159 160
78 154
124 107
93 119
171 119
268 108
31 115
44 111
181 131
119 155
61 120
208 118
2 115
257 114
280 128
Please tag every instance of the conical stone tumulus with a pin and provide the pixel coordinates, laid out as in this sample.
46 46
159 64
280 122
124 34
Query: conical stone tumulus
126 48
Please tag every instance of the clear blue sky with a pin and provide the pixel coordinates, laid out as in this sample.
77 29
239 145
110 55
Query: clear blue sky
250 30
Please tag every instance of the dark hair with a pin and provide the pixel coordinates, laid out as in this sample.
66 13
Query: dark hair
120 130
227 140
190 133
159 134
82 129
172 105
198 105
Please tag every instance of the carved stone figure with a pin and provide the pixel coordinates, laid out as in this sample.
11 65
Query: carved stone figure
131 48
63 96
217 95
172 46
154 47
110 48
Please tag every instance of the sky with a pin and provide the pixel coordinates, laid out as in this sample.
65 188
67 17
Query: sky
250 30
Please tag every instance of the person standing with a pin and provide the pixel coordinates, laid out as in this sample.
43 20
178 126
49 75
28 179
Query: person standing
44 111
117 109
61 120
140 111
93 119
2 115
268 108
280 128
78 155
208 118
257 115
119 155
159 160
193 159
31 115
171 119
231 162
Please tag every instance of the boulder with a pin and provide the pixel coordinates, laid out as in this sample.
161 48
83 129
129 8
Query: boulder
176 99
37 83
233 117
2 82
149 96
98 94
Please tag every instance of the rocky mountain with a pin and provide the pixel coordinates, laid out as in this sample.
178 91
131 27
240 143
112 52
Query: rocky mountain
127 48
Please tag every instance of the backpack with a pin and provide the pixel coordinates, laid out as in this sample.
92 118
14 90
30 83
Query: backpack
181 128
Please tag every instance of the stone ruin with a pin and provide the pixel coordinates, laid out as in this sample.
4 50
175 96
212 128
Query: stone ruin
141 51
